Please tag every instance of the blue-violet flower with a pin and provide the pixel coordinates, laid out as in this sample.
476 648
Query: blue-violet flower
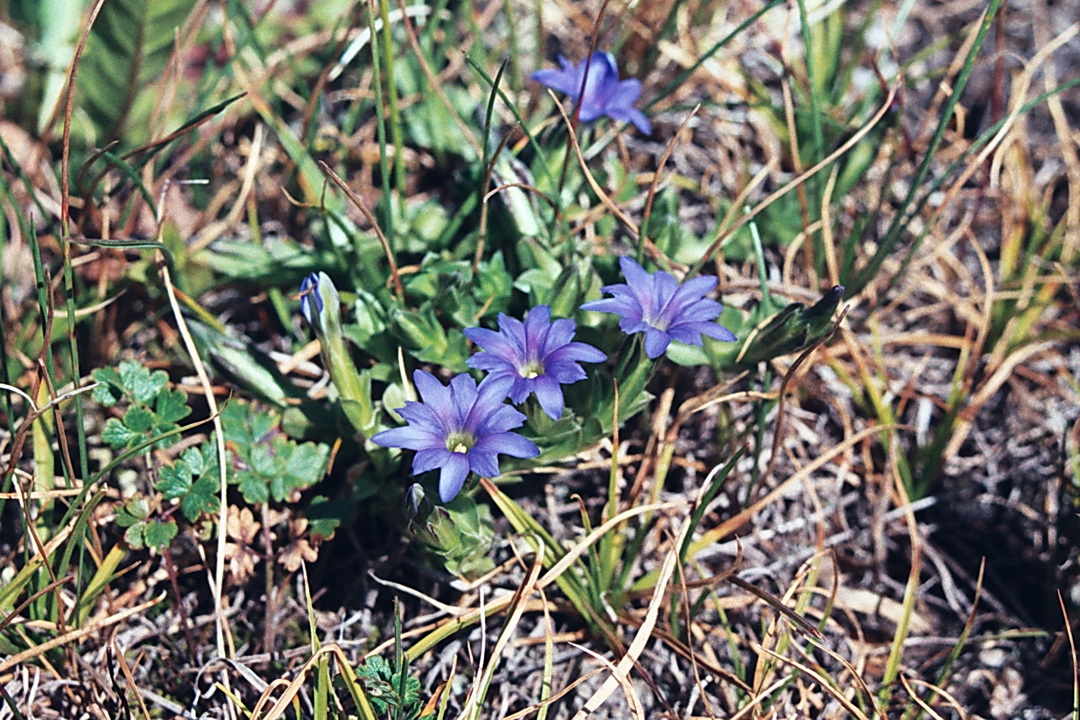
538 355
460 428
310 297
602 93
657 305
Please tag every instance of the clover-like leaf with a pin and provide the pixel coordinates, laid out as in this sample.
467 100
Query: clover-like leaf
324 516
109 392
133 511
174 481
253 487
171 406
138 419
140 382
142 529
117 435
193 480
159 533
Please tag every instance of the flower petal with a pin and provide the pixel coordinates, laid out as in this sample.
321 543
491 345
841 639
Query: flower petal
719 332
624 94
483 462
410 438
567 80
453 476
508 443
436 396
493 343
617 305
463 395
561 332
429 459
574 353
601 74
512 331
549 393
566 372
656 342
635 274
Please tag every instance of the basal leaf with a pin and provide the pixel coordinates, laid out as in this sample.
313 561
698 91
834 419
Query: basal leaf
109 392
201 498
325 515
134 535
262 461
134 510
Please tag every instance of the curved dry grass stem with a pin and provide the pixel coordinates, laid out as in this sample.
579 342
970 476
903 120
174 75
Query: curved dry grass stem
395 276
851 142
825 683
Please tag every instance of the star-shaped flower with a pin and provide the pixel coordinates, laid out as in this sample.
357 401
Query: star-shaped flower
657 305
603 93
537 355
460 428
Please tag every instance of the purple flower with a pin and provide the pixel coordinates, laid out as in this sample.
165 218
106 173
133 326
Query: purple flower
658 306
537 355
603 93
460 428
309 296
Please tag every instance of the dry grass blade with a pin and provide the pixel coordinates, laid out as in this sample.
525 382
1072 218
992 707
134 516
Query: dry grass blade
925 706
644 632
733 523
395 277
619 674
523 591
71 636
777 604
822 681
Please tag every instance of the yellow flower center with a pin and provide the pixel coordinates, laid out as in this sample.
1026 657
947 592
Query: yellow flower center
460 442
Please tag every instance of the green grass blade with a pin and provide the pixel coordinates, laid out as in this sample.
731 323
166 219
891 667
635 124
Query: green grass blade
892 235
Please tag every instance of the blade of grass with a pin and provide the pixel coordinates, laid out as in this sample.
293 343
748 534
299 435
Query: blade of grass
908 207
380 127
688 72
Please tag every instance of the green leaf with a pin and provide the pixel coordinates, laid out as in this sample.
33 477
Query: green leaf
261 423
159 533
262 461
174 481
234 423
134 535
134 510
254 488
193 480
197 461
171 406
139 383
324 516
201 498
138 419
109 392
116 434
305 463
128 49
